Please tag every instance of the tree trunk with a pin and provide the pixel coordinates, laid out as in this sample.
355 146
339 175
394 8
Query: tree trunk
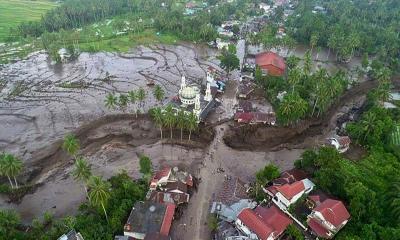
315 104
16 183
105 213
9 179
161 132
190 134
170 130
86 191
181 134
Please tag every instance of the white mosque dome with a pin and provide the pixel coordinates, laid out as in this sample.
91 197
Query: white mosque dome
188 94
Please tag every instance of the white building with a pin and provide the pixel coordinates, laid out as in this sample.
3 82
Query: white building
287 194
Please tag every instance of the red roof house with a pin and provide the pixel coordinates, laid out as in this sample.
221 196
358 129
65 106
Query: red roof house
288 194
271 63
266 223
328 218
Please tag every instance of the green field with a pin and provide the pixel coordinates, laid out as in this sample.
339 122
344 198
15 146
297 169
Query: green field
13 12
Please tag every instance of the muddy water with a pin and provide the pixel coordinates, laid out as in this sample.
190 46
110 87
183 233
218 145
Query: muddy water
38 104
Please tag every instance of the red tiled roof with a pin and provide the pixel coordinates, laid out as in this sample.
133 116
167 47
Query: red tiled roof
255 223
167 221
319 230
333 211
275 218
243 117
270 58
291 190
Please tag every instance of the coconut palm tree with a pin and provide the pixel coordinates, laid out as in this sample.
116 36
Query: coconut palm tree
159 93
111 101
181 121
70 145
99 192
191 123
82 172
132 95
123 101
141 96
10 166
169 118
158 118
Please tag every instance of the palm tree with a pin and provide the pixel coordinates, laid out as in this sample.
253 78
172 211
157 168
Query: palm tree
192 123
307 63
70 145
141 95
393 197
181 121
368 122
111 101
123 101
159 93
294 77
82 172
313 41
132 99
158 118
170 118
10 166
99 192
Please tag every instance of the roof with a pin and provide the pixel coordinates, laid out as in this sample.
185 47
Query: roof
245 117
290 176
291 190
171 186
245 89
317 228
318 197
246 106
232 191
167 221
155 236
71 235
148 217
161 174
255 223
270 58
168 197
333 211
274 218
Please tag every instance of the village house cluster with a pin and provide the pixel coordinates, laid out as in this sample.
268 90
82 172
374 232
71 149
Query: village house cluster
169 189
242 218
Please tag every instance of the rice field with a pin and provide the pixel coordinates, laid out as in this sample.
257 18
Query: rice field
13 12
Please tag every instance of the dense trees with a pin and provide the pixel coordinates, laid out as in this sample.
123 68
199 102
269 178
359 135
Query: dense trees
170 118
89 221
349 27
228 58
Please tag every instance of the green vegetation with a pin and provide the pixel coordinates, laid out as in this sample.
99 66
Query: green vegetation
369 186
264 176
10 167
308 94
294 232
350 28
13 13
228 58
170 118
90 220
145 167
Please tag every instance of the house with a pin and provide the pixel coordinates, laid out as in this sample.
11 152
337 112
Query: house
285 195
262 223
71 235
255 118
244 106
149 218
165 177
341 143
271 63
288 177
168 197
328 218
231 199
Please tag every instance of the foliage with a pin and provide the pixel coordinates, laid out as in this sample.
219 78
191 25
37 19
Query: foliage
267 174
159 93
294 232
349 27
10 167
228 58
71 145
145 165
292 108
212 222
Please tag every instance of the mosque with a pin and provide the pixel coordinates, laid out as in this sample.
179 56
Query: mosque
191 99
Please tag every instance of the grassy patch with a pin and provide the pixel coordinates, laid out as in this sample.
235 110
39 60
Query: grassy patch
14 12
